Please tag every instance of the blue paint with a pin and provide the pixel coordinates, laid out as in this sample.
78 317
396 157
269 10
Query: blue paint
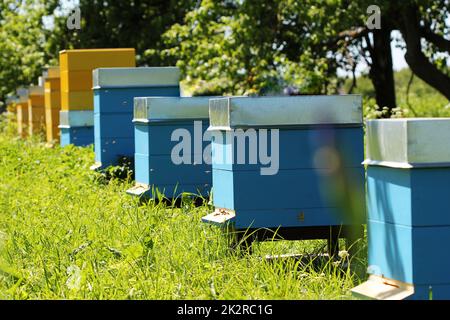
301 194
409 254
297 148
409 227
287 218
400 195
113 115
389 195
297 188
390 250
154 166
433 292
78 136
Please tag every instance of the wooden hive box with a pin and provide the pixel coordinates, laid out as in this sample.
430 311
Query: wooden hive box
52 96
11 102
408 183
76 128
22 112
158 121
76 67
317 148
114 91
36 110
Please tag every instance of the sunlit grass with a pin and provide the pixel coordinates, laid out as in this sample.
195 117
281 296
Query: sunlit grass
66 234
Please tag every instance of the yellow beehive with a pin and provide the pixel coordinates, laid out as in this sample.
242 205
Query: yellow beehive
77 100
11 102
36 110
11 107
22 112
22 118
76 68
52 96
76 80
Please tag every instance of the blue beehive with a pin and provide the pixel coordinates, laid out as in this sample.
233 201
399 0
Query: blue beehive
171 151
77 127
114 91
319 148
408 184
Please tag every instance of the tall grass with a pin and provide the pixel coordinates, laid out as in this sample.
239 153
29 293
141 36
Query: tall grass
66 234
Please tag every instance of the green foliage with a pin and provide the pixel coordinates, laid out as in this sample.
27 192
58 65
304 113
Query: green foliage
254 47
110 24
27 44
422 100
66 235
247 47
222 48
22 43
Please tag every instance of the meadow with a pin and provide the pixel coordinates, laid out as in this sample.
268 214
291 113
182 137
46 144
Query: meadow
68 233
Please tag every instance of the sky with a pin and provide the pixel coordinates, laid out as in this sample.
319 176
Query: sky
398 55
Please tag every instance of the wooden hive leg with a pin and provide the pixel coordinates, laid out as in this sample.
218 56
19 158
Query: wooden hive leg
353 239
333 242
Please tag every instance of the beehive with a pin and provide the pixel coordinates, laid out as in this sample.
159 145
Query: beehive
76 68
11 101
319 148
159 122
22 112
408 182
114 91
52 96
36 110
77 126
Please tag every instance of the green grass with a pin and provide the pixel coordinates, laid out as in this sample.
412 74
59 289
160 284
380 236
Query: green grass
66 234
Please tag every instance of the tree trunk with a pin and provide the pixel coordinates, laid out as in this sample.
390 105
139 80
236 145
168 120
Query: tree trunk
381 70
416 59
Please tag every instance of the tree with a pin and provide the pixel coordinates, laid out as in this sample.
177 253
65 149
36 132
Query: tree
418 23
248 46
21 44
422 25
27 44
110 24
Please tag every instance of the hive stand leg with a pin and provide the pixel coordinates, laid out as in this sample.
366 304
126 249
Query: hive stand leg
333 243
353 239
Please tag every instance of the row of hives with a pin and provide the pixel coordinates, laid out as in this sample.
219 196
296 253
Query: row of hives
287 164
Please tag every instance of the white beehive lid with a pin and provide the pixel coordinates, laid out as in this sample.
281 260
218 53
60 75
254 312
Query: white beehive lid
70 119
23 95
238 112
51 73
35 91
10 99
136 77
147 109
407 143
